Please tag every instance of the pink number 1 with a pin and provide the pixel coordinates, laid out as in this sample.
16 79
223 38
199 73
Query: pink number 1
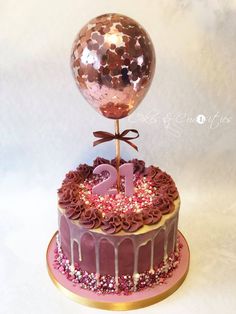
126 170
105 187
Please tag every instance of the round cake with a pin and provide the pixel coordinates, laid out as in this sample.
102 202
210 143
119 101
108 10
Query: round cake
115 243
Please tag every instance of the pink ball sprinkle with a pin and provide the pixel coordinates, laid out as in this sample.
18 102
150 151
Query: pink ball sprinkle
61 268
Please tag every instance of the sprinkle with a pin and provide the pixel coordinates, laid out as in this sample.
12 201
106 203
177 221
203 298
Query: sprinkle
143 195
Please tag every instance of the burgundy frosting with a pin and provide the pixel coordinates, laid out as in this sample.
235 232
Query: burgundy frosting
90 218
152 171
139 166
111 223
113 162
73 177
151 216
85 170
170 190
164 204
99 161
132 222
68 194
161 179
75 209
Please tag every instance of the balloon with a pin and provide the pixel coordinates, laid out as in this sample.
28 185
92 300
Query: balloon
113 62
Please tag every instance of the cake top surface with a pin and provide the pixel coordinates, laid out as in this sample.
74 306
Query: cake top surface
154 195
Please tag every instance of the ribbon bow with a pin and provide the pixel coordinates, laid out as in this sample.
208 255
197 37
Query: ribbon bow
106 136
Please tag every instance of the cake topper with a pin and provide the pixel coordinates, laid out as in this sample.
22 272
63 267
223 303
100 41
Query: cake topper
113 62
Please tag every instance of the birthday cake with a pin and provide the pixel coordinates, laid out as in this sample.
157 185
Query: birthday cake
117 243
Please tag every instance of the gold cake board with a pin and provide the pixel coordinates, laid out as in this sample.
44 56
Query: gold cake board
133 301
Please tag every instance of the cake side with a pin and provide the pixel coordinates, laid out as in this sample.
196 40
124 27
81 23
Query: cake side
121 253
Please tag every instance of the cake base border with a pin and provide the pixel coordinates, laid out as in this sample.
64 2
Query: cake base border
135 300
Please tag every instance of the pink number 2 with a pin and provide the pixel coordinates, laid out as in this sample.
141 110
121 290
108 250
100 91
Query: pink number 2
105 187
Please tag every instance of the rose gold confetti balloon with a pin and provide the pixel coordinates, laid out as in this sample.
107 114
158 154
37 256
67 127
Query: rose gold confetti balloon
113 62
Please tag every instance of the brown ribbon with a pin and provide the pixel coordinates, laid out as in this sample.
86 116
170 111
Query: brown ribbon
106 136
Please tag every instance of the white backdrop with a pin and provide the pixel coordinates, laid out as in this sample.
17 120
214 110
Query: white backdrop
186 123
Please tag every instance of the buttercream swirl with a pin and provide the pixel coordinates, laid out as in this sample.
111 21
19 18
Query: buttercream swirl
152 171
113 162
74 211
170 190
139 166
73 177
99 161
68 194
164 204
111 223
90 218
151 215
85 170
132 222
161 179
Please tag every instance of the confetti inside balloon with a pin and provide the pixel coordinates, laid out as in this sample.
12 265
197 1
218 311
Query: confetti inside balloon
113 62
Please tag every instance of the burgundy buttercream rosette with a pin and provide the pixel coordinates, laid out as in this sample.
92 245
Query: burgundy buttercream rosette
113 162
139 166
164 204
74 211
68 195
111 223
170 190
152 171
100 161
151 216
161 179
85 170
90 218
73 177
132 222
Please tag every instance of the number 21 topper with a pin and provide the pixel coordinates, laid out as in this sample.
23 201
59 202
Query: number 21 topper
113 63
